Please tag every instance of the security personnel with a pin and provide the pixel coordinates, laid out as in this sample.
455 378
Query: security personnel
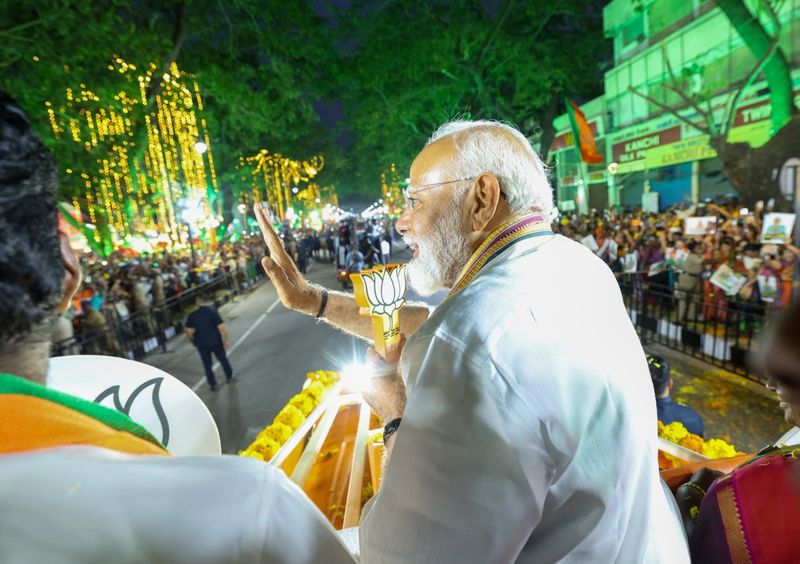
204 328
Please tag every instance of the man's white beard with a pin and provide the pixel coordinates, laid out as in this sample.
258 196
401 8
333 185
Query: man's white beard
441 255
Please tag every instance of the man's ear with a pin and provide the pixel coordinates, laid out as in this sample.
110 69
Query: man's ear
72 273
484 201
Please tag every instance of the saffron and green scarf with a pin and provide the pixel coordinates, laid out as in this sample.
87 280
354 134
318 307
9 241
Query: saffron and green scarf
34 417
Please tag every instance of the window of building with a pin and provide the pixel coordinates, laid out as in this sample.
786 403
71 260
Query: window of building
633 31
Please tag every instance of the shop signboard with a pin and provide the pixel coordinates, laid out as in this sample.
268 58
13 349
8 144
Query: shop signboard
630 154
690 149
667 141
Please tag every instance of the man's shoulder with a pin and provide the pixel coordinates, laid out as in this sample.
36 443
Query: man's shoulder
259 494
674 411
512 287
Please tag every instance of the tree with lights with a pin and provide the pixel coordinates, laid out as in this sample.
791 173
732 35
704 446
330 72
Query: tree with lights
257 75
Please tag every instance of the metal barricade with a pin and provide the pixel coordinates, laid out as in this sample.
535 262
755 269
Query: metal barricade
144 332
718 331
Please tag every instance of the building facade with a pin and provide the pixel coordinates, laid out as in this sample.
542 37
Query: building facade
652 157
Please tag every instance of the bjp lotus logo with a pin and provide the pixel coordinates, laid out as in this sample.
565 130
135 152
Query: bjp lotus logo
380 293
385 290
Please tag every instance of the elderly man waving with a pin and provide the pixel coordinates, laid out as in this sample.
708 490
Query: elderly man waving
529 429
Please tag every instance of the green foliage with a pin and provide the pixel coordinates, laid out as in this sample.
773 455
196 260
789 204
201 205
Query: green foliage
413 65
401 69
258 65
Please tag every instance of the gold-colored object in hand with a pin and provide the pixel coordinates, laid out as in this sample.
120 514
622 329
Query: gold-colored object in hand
380 293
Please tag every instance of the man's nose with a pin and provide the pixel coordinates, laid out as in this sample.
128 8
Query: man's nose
402 223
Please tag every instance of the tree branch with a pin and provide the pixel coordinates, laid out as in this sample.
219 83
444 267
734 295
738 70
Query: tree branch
731 111
489 40
228 23
533 36
712 127
11 61
11 31
666 108
772 15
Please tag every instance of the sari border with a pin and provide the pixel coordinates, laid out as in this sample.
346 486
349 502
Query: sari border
732 523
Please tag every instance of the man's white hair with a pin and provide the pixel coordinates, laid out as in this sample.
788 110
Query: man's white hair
491 146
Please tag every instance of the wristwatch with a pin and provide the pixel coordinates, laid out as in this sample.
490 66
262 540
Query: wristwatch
391 428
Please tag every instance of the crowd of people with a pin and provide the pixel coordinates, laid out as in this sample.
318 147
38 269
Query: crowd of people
654 249
128 295
520 419
125 295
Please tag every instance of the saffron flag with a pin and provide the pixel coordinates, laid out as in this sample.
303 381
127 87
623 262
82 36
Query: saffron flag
582 133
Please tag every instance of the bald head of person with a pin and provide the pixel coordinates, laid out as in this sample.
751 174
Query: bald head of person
470 178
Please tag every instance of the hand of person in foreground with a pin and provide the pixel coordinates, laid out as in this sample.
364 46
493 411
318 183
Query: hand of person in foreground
293 289
386 393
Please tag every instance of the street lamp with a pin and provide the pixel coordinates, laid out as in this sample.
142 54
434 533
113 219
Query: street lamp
190 211
200 146
243 210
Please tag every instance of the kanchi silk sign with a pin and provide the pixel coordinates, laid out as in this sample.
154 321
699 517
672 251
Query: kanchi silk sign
690 149
635 149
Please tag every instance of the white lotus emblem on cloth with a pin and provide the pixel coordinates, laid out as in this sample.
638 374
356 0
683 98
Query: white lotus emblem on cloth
385 290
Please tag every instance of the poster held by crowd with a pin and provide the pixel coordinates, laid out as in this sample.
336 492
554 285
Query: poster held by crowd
700 225
727 280
778 228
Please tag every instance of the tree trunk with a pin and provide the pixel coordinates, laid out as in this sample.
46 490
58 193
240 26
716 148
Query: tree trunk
755 173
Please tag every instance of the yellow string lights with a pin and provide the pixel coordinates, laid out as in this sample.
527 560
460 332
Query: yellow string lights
139 178
280 181
391 192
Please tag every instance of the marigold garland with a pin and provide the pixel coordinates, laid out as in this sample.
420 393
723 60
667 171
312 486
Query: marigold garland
675 432
291 416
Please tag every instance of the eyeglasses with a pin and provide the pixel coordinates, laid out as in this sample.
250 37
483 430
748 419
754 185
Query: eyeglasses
410 202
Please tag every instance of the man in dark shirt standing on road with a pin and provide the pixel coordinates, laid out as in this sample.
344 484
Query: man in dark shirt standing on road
669 410
205 329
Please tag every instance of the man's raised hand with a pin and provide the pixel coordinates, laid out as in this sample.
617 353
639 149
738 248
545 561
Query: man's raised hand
293 289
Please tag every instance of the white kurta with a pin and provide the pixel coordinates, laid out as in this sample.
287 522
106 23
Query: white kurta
530 429
87 504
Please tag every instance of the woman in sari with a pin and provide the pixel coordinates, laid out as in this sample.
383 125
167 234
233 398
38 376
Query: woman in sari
753 513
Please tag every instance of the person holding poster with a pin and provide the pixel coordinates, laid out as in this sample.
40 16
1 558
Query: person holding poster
503 448
727 280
